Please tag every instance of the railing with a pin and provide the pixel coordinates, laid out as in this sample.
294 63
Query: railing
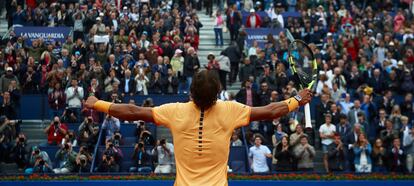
96 149
246 148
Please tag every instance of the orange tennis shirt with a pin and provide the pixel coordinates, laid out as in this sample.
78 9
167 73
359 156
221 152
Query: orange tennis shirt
202 151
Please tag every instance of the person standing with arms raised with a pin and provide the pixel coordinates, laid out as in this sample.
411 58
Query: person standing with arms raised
202 127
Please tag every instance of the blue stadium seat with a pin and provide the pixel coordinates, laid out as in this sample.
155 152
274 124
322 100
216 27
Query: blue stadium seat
238 166
238 159
128 130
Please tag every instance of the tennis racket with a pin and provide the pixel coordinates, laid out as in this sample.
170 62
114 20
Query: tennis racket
304 67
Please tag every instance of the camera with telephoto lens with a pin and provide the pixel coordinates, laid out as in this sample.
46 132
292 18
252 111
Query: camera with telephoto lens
66 146
56 124
162 142
42 162
83 162
89 120
21 140
117 137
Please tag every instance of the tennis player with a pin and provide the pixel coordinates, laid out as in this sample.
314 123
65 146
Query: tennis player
202 127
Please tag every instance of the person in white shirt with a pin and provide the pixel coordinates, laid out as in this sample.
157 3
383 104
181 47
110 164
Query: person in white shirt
259 153
346 104
165 155
74 96
327 133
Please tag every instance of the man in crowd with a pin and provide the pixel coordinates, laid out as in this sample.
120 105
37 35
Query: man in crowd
326 133
259 154
165 154
56 131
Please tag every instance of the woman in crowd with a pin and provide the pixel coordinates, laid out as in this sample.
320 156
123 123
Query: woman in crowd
362 151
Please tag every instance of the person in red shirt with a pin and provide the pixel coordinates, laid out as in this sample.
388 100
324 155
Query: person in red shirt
56 131
253 20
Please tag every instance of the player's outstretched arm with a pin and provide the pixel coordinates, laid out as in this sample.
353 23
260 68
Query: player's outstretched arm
126 112
278 109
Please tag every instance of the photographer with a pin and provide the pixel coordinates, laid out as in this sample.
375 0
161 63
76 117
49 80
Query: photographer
144 135
113 151
56 131
117 139
165 154
108 164
19 152
71 138
141 159
83 161
7 133
39 161
66 159
88 133
110 125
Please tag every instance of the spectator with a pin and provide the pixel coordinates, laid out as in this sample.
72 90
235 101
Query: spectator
30 81
8 108
337 155
234 21
353 113
305 154
191 65
218 28
396 156
155 86
247 95
165 154
142 161
56 131
326 133
258 153
395 117
66 159
6 79
7 133
343 128
141 81
346 104
247 70
388 134
74 96
407 106
362 151
295 138
279 134
321 109
234 53
253 20
88 133
57 101
39 162
20 152
110 125
128 84
379 158
110 81
235 140
408 144
224 64
379 123
284 155
170 83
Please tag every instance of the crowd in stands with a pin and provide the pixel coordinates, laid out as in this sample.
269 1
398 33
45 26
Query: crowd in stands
364 50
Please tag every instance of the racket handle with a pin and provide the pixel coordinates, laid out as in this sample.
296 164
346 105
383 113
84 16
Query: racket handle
308 122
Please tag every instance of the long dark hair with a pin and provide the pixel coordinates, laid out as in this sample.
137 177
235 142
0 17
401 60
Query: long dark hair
204 89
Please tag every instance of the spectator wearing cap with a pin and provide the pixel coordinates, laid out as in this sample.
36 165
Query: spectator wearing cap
326 133
253 20
6 79
98 28
259 153
304 153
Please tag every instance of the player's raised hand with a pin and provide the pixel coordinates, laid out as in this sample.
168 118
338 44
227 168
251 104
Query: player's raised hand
90 102
306 95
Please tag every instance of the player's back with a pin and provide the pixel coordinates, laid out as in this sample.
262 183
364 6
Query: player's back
202 140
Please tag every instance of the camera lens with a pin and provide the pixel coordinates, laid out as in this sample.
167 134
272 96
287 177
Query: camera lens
21 139
56 123
117 137
66 146
83 161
